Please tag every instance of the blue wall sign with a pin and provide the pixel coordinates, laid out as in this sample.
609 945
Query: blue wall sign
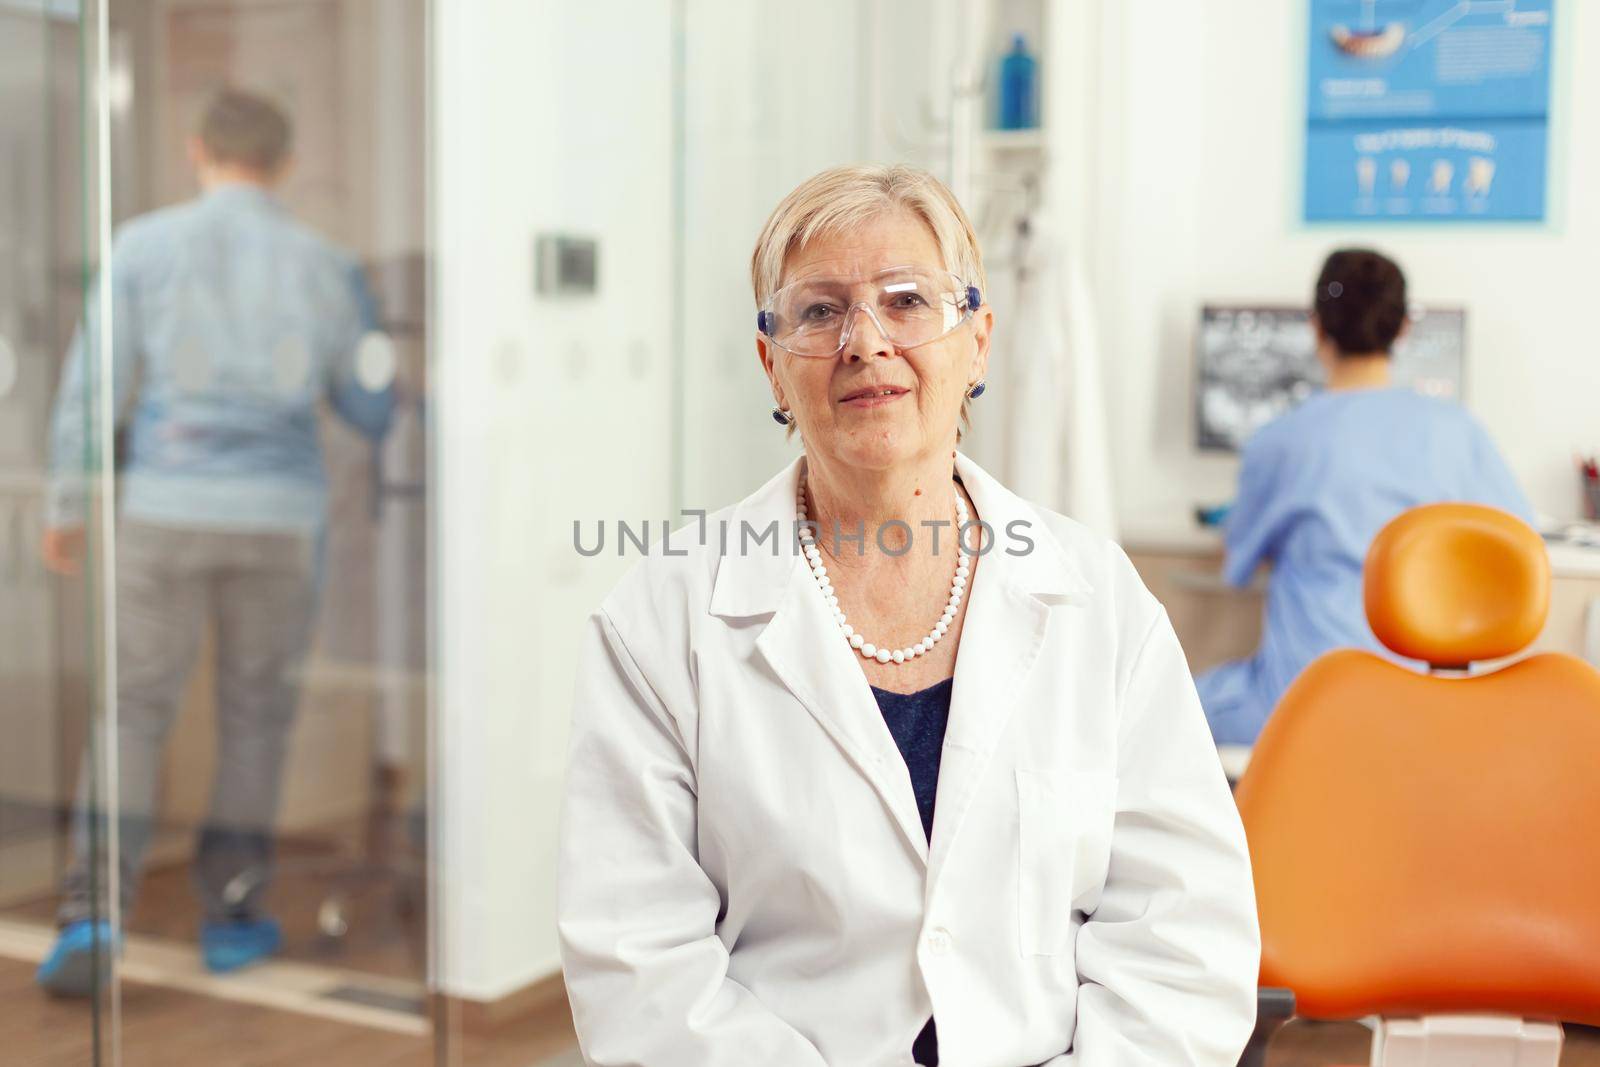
1430 110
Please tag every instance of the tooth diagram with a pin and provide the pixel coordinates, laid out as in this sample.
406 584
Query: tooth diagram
1439 185
1369 44
1366 174
1399 174
1480 176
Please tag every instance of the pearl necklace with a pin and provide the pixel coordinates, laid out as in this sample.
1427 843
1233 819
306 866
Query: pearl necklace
958 588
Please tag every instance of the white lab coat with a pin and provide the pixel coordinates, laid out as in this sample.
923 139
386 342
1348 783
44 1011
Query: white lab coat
744 878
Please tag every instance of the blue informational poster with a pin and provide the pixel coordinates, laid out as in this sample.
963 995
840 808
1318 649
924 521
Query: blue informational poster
1428 110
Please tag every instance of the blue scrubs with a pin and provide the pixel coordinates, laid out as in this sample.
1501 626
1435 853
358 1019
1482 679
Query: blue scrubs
1315 487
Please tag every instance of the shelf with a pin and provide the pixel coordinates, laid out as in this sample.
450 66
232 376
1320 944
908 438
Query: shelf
1014 140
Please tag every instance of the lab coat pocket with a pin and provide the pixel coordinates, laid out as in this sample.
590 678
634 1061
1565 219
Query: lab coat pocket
1064 821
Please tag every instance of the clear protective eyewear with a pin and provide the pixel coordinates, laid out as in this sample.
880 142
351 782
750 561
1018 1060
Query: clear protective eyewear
910 306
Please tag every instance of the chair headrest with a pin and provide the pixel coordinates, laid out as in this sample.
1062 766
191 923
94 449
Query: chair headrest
1453 584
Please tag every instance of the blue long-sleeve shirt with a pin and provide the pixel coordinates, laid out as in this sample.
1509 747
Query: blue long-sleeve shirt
1315 487
230 322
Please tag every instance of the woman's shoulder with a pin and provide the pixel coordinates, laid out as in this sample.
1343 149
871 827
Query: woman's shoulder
726 562
1411 411
1306 428
679 565
673 567
1049 548
1108 579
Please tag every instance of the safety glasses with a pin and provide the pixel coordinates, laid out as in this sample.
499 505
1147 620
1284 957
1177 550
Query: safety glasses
910 306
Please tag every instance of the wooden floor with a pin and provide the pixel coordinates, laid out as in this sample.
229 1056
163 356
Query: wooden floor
162 1028
168 1028
1309 1044
386 914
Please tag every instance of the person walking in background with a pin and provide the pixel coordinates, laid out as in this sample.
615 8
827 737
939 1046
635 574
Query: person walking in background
231 322
1317 484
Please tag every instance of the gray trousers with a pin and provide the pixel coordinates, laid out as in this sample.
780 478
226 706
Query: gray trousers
258 593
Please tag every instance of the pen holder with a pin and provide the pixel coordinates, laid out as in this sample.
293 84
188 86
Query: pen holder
1591 499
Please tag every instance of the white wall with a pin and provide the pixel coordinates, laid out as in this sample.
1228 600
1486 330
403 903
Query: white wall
760 116
550 116
757 119
560 117
1177 141
1196 175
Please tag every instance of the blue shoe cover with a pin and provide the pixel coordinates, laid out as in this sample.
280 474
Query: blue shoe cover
228 946
69 970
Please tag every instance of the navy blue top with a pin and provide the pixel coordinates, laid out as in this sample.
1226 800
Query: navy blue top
917 722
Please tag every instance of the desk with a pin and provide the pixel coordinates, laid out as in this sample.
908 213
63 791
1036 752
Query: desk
1215 621
1235 758
1182 565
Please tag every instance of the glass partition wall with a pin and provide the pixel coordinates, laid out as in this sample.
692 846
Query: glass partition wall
213 530
50 626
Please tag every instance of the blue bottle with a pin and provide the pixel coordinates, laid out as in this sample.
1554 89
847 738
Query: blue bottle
1019 88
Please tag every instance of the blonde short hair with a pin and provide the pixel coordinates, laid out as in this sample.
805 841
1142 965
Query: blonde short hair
840 198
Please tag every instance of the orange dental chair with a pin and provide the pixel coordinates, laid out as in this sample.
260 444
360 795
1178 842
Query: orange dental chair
1427 846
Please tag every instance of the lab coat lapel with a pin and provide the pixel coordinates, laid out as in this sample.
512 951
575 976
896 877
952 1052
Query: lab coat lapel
1009 610
803 647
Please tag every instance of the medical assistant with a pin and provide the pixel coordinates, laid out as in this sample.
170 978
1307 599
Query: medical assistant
744 873
1315 487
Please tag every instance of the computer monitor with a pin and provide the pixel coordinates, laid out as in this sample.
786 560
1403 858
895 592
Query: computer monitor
1256 362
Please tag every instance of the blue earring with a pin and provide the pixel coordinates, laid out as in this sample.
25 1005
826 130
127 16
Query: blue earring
975 390
782 417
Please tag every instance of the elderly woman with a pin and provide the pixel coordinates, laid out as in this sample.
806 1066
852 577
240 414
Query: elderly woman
876 792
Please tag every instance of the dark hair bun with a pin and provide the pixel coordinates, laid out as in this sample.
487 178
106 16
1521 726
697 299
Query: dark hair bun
1361 301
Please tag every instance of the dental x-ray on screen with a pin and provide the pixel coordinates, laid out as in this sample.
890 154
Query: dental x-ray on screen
1256 362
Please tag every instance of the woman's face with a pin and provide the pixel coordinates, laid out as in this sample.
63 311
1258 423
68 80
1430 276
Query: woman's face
873 405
